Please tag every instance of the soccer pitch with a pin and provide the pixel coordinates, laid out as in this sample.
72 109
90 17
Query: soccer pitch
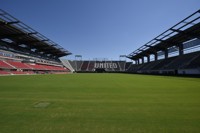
99 103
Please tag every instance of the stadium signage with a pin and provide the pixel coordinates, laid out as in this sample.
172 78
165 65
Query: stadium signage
105 65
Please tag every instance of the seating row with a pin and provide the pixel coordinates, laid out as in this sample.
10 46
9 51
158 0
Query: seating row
27 66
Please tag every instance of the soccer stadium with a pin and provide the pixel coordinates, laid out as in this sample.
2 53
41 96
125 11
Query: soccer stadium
158 91
25 51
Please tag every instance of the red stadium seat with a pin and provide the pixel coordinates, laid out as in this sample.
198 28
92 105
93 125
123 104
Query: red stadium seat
3 64
4 72
18 65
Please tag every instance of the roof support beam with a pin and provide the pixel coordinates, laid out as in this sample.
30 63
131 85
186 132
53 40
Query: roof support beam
166 42
175 36
20 33
14 22
185 33
16 35
9 23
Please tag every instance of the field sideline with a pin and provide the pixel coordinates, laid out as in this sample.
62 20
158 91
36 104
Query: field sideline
99 103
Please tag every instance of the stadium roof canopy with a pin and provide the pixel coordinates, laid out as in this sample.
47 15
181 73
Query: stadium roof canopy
16 31
185 30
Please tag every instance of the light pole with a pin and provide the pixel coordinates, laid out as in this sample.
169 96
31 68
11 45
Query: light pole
122 57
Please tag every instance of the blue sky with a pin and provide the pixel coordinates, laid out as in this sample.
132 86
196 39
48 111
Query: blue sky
100 28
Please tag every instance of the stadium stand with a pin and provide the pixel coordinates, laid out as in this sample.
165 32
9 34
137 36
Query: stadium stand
181 61
67 64
78 65
127 65
84 66
4 72
92 65
170 65
18 65
35 66
179 45
25 51
195 63
122 65
162 63
55 68
18 72
72 63
5 65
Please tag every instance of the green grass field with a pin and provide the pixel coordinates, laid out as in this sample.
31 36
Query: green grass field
99 103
